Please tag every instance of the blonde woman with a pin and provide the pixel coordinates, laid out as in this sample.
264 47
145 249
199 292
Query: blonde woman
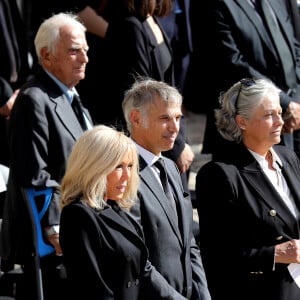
103 247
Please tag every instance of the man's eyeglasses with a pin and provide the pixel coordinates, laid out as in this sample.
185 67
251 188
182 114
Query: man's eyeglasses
245 82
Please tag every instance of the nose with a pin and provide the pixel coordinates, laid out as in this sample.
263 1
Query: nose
83 56
126 171
279 119
174 124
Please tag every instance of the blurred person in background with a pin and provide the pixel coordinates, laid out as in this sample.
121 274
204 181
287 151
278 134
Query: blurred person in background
246 45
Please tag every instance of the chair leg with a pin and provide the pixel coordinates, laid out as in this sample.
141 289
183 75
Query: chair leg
10 277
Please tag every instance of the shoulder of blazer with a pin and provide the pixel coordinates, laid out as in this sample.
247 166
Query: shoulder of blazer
286 155
135 20
170 164
41 80
173 170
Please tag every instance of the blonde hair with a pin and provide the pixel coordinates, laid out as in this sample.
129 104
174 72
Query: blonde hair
94 156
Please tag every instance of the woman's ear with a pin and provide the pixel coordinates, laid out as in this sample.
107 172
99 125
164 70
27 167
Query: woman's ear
240 122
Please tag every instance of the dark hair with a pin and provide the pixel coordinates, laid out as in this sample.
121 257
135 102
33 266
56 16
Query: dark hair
141 8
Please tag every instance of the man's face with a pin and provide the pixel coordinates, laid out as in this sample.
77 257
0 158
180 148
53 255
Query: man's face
69 60
159 130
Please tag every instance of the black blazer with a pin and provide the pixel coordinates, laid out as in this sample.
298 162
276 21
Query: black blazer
242 217
106 258
172 249
42 130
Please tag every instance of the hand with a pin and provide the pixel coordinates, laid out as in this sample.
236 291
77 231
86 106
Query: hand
288 252
54 241
291 118
5 110
185 158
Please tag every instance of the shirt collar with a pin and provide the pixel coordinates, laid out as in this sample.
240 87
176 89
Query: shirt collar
148 156
68 92
261 159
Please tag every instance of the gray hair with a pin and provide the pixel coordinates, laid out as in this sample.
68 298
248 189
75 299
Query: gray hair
241 99
49 31
143 93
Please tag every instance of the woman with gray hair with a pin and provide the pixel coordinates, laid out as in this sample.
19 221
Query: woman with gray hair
248 201
241 99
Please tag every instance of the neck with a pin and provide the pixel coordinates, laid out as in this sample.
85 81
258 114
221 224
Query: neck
269 159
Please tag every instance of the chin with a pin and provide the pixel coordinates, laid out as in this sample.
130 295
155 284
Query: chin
277 140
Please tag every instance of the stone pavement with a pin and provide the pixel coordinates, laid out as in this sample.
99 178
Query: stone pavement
195 132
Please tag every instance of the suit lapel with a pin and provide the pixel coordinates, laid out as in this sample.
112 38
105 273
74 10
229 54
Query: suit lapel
257 22
282 16
256 178
292 184
155 48
153 185
123 226
61 106
69 119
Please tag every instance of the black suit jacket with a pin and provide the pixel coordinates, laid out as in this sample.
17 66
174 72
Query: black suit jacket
242 217
42 130
172 249
106 257
244 49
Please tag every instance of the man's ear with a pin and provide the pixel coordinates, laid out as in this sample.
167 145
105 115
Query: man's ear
135 117
45 56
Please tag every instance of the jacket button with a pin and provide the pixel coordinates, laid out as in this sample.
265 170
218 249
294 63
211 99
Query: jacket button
272 212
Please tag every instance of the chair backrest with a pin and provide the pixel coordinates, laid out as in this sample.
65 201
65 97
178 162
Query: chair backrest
30 195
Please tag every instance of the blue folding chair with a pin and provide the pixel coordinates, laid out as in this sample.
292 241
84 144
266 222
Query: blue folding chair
40 246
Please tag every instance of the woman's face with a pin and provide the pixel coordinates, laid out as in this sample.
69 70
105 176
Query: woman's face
117 180
263 129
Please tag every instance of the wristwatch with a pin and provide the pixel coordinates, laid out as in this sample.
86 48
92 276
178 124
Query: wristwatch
52 230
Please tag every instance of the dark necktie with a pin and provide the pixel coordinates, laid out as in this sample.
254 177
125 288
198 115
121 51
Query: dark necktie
78 110
280 43
165 183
